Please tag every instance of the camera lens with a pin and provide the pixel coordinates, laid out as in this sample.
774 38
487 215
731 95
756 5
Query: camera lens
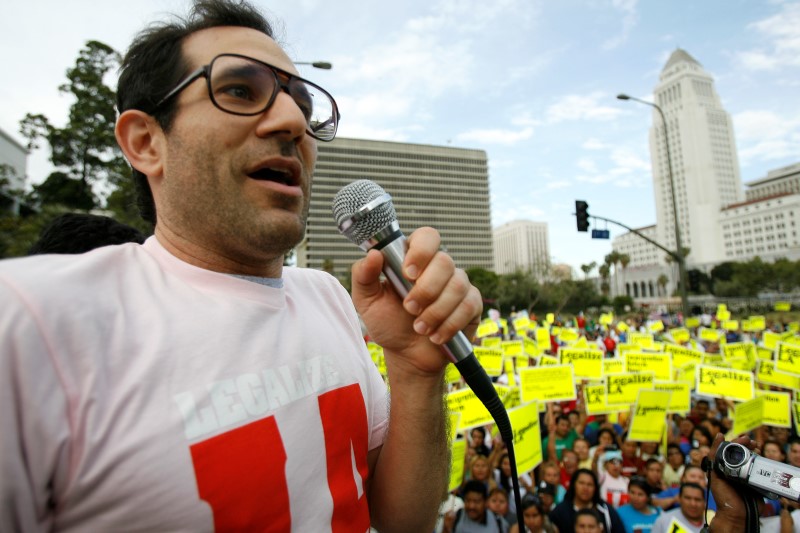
734 454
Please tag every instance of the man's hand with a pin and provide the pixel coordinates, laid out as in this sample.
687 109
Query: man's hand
731 513
441 303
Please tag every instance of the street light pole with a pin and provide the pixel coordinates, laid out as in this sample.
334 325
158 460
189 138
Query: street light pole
679 255
324 65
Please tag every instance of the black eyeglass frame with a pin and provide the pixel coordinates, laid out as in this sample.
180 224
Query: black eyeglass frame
280 85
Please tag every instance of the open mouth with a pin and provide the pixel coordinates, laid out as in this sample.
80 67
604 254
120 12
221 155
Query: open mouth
272 174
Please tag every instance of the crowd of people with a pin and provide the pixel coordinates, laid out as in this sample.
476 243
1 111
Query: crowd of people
593 476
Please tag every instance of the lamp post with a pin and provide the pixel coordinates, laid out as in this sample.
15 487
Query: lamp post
679 253
324 65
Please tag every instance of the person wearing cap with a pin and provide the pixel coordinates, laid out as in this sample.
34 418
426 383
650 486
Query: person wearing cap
613 485
547 494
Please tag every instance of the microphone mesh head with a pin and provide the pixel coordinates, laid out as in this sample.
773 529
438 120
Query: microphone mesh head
353 197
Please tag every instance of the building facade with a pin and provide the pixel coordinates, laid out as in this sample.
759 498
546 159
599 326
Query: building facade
522 246
443 187
14 159
705 164
784 180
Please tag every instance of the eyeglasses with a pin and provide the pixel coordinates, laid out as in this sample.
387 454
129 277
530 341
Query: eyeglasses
241 85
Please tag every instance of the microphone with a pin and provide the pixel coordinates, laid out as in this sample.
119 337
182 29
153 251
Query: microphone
365 215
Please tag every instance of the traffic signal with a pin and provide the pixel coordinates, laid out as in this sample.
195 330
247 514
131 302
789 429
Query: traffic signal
582 214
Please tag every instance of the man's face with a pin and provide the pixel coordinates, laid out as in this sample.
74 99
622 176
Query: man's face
562 428
587 524
701 410
474 506
498 503
794 454
692 503
629 448
695 475
654 473
209 193
581 447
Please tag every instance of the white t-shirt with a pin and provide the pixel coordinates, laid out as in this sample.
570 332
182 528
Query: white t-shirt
613 490
139 392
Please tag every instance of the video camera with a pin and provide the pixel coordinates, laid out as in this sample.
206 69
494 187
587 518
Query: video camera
767 477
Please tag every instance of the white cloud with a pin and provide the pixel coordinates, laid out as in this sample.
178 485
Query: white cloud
587 165
626 169
582 107
496 136
782 30
766 136
594 144
554 185
630 17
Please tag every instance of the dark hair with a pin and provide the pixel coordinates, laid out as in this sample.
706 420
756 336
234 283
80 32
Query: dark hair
155 63
561 417
704 432
76 233
698 402
505 481
570 495
651 461
640 482
691 486
676 447
606 430
589 512
498 490
479 428
532 500
474 486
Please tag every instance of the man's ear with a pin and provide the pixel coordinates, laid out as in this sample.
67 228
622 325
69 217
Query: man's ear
142 141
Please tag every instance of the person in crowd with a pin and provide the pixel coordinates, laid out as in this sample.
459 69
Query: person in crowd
772 450
546 492
649 450
475 517
584 494
613 485
588 521
569 464
77 233
498 503
793 455
690 513
478 441
449 507
137 377
673 469
685 428
701 437
479 471
581 448
502 478
534 514
670 498
638 514
654 475
787 519
561 435
593 429
632 464
551 473
606 440
699 412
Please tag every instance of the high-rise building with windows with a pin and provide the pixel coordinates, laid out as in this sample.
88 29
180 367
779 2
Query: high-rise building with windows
439 186
14 159
522 246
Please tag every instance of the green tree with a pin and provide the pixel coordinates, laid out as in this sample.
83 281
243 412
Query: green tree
85 149
485 281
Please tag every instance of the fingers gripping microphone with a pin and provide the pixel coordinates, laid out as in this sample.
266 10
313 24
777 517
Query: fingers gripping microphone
365 215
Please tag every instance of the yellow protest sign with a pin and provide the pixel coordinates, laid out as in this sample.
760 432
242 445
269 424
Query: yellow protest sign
764 353
623 388
504 326
491 359
451 374
642 340
748 415
676 527
649 416
547 383
713 359
796 412
687 374
730 325
659 364
606 319
472 411
530 347
770 339
508 370
491 342
740 350
680 401
723 313
511 398
680 335
724 382
624 347
458 453
709 334
692 322
487 328
555 331
594 397
568 335
683 356
521 323
527 436
777 408
614 365
550 318
511 348
622 326
787 358
757 323
768 374
548 360
587 363
793 326
580 343
783 306
656 326
543 338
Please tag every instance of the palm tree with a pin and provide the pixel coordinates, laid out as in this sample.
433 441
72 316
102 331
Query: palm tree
624 260
662 284
587 269
604 271
613 259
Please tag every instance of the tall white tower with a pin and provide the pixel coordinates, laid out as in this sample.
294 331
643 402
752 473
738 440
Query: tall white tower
522 245
705 164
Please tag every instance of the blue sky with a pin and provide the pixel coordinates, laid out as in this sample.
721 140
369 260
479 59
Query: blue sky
532 82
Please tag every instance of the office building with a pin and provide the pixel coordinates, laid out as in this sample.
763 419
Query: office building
439 186
13 159
522 246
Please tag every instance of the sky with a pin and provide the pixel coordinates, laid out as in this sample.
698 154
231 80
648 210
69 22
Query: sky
531 82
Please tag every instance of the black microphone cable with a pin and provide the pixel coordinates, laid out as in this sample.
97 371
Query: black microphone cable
365 215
